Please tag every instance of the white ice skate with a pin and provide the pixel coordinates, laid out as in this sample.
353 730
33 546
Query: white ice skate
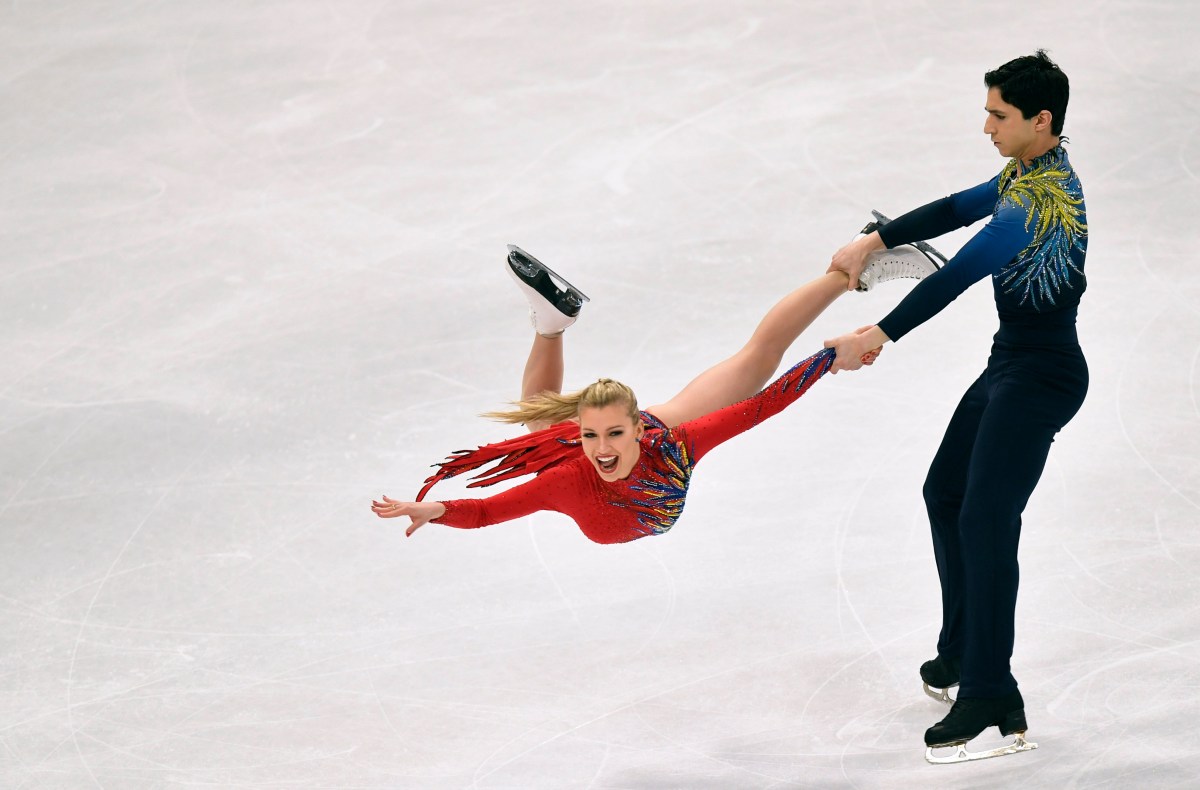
914 261
554 303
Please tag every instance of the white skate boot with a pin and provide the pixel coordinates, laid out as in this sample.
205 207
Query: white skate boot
914 261
554 303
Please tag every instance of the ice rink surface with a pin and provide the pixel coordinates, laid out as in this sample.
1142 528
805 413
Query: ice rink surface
253 277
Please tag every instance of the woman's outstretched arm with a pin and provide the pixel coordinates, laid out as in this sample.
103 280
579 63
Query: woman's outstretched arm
704 433
419 513
541 493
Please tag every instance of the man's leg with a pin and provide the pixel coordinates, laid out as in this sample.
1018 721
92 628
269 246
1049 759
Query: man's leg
945 486
1028 405
1031 395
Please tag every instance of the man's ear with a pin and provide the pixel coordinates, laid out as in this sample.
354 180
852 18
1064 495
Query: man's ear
1042 121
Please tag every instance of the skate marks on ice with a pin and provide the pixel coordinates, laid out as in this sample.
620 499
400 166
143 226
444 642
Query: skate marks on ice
239 237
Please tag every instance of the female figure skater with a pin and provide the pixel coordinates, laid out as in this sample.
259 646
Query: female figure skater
618 472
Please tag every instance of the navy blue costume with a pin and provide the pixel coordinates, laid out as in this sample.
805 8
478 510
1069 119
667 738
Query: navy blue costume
996 444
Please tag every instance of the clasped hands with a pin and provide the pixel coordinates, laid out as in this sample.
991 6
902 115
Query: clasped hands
857 348
863 345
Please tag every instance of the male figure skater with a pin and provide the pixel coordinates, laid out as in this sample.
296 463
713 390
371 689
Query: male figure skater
996 444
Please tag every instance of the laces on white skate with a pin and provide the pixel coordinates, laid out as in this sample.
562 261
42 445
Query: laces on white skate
904 261
961 755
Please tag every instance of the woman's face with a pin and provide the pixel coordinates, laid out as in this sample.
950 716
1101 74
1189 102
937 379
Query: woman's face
610 440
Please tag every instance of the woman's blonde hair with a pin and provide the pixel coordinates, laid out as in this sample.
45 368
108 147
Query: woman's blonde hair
552 407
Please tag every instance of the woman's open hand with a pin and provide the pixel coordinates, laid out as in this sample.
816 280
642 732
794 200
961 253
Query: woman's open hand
419 513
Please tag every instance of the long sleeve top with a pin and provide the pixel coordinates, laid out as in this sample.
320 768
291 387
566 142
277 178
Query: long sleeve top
1033 247
651 498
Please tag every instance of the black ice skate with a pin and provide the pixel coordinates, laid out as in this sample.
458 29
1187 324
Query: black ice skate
942 674
554 303
968 718
914 261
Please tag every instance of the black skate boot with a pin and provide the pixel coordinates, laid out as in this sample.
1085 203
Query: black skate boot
971 716
914 261
941 673
552 308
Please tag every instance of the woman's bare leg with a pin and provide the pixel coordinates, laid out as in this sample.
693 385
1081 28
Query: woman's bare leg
543 370
749 370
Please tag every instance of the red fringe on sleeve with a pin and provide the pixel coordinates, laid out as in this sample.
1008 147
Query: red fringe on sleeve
530 454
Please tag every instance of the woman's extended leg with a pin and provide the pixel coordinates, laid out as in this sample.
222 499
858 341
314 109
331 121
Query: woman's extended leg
543 370
749 370
554 304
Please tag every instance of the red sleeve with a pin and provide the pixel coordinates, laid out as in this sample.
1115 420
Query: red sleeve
529 497
704 433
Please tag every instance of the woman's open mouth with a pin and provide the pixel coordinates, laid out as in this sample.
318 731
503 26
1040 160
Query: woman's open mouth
607 463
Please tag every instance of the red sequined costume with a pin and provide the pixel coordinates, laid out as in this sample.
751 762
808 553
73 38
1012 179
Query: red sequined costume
647 502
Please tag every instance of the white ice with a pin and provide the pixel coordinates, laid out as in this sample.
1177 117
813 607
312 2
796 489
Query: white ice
252 277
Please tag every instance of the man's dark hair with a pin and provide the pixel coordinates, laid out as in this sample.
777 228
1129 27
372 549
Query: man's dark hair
1033 83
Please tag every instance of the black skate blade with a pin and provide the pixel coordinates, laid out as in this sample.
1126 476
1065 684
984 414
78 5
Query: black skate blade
931 253
934 256
515 250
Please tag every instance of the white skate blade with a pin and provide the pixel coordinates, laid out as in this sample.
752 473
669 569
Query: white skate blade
961 755
558 278
941 695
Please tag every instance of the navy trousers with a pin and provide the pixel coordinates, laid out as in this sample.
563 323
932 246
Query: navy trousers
987 466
